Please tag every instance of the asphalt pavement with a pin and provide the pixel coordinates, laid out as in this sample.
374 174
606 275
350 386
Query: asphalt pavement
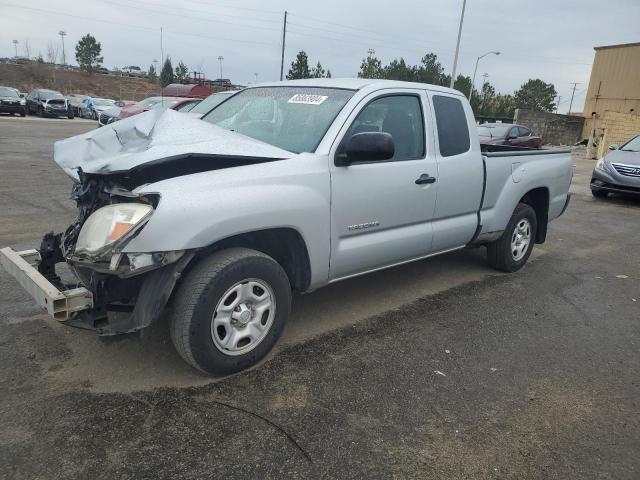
438 369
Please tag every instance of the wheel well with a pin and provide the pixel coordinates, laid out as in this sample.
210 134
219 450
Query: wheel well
285 245
538 199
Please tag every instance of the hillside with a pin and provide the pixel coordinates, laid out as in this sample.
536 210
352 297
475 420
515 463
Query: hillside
36 75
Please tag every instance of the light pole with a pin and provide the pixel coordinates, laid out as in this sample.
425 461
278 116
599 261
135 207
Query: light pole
62 33
473 81
220 58
255 77
15 45
455 57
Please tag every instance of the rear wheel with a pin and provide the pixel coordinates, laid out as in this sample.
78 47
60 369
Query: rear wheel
512 250
230 310
599 193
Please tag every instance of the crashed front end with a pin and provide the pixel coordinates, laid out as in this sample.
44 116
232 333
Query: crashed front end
119 172
117 292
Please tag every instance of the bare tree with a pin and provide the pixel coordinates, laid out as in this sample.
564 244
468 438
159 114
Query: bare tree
27 48
52 52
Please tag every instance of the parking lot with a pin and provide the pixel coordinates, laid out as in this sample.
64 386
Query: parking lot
438 369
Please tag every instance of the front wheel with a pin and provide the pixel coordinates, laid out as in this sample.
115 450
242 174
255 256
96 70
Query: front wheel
512 250
230 310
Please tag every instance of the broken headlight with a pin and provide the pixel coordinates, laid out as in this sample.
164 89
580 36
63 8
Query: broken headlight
110 225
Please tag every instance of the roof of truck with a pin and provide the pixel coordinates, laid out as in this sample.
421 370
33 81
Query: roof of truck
356 84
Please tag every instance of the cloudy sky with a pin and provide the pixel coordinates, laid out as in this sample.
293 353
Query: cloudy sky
548 39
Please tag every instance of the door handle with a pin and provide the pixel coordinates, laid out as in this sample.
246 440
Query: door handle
425 178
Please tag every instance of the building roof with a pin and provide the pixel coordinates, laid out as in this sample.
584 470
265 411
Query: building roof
619 45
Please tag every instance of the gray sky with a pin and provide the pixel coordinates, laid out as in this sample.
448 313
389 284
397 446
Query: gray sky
548 39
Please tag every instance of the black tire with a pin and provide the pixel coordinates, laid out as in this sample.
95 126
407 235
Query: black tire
23 113
599 193
70 115
499 252
192 308
41 112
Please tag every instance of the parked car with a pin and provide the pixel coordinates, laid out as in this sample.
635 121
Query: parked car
150 103
103 71
619 171
92 107
185 105
48 103
10 102
112 114
508 134
284 186
211 102
75 102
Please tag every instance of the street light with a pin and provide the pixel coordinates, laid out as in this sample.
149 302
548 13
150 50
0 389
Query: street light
15 45
455 57
62 33
473 81
220 58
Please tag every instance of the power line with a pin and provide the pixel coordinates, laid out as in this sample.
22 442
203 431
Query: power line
113 2
137 27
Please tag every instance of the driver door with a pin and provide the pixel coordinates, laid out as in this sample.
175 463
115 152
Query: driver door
381 211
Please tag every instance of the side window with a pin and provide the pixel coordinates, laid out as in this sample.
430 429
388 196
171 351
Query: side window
524 132
453 131
398 115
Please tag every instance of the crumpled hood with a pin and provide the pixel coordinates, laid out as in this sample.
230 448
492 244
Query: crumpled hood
151 136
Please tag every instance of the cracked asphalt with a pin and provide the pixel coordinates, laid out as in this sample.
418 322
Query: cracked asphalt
440 369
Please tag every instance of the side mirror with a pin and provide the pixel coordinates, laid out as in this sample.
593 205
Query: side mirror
366 147
511 137
614 147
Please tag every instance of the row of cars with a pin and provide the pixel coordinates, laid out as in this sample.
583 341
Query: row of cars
50 103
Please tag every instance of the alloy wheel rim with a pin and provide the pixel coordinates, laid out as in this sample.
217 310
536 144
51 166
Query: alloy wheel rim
520 239
243 317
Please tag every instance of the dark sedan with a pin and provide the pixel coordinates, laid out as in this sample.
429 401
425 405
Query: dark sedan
619 171
508 134
10 102
48 103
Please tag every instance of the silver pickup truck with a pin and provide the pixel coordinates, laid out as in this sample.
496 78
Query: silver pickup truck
282 187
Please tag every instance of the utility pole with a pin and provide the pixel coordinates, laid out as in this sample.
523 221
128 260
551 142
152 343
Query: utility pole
220 58
62 33
455 57
15 45
573 92
558 104
284 38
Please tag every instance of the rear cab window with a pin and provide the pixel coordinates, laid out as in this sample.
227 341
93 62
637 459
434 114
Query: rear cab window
451 122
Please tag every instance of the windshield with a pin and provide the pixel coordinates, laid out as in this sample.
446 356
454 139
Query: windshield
493 131
46 95
211 102
8 92
291 118
102 101
632 145
149 102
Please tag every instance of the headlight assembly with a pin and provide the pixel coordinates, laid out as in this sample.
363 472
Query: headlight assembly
111 225
602 166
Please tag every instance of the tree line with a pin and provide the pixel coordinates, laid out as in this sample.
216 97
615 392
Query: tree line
534 94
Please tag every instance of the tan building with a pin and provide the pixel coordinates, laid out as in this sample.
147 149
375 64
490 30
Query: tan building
614 96
615 80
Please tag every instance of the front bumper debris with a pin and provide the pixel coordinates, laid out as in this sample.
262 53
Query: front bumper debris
61 305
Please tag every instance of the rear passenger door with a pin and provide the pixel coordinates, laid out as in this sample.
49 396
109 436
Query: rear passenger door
460 171
380 215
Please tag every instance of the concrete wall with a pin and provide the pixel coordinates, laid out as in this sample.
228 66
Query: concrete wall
555 129
614 83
